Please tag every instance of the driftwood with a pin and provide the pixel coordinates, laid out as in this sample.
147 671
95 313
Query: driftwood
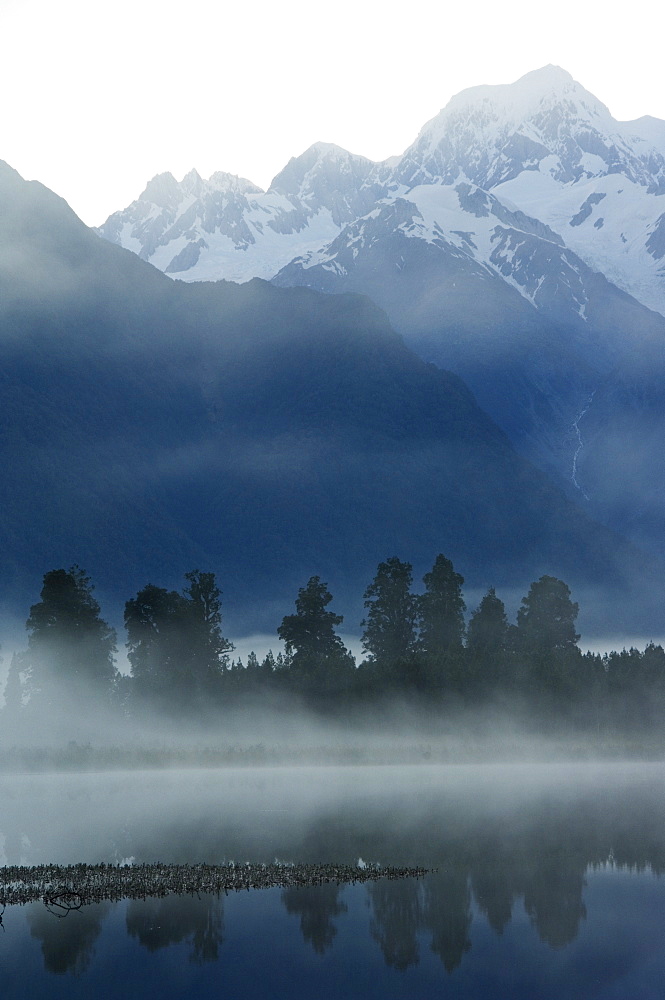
71 886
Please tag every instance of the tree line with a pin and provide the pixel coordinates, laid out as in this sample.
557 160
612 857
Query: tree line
417 645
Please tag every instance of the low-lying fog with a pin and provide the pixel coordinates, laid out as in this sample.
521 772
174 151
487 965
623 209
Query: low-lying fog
517 817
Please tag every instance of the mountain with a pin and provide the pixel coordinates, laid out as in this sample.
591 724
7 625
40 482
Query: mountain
487 258
266 433
544 146
227 227
519 242
549 147
492 296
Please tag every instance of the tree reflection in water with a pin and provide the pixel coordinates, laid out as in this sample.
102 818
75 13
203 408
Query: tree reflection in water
67 939
441 905
317 905
496 845
158 923
447 914
396 913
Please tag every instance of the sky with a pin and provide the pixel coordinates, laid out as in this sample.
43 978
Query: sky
96 98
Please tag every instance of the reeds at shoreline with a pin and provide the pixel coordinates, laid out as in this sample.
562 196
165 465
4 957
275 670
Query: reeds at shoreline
72 886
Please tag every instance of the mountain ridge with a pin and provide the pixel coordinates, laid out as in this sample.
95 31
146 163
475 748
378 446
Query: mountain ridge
500 138
265 433
520 242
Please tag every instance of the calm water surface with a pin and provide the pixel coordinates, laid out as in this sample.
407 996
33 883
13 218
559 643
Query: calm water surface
547 883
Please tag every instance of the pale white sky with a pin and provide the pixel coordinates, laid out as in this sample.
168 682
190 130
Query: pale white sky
97 97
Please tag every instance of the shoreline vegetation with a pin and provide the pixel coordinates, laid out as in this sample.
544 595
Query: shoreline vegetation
68 887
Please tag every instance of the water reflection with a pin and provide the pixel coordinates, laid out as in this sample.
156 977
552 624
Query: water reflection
316 906
395 919
502 841
67 939
158 923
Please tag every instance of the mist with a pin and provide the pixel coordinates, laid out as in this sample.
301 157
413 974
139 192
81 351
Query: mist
488 833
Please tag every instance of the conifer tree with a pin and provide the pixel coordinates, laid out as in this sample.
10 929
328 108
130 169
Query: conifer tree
390 623
176 649
546 619
156 646
487 646
487 634
208 649
547 648
70 647
441 610
313 649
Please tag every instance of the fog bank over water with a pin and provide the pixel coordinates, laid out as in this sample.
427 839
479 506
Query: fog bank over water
388 815
528 860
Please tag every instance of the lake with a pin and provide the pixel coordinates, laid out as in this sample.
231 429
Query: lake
546 883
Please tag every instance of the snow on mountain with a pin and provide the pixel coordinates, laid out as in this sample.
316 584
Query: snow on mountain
549 147
491 134
467 223
227 227
493 293
543 146
327 176
647 128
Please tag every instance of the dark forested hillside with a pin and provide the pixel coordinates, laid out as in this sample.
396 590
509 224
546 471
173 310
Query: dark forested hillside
267 434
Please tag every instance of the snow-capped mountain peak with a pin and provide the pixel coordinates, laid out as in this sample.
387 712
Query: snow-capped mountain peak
197 227
491 134
544 146
503 106
326 176
163 190
222 181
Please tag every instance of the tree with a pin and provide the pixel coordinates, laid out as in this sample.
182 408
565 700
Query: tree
548 658
390 624
208 648
70 647
487 635
156 646
442 609
313 649
487 644
176 649
546 620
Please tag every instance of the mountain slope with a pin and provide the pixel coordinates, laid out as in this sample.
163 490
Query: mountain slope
520 242
494 296
265 433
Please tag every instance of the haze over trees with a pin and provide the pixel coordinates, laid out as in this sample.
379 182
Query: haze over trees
71 649
175 645
418 646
